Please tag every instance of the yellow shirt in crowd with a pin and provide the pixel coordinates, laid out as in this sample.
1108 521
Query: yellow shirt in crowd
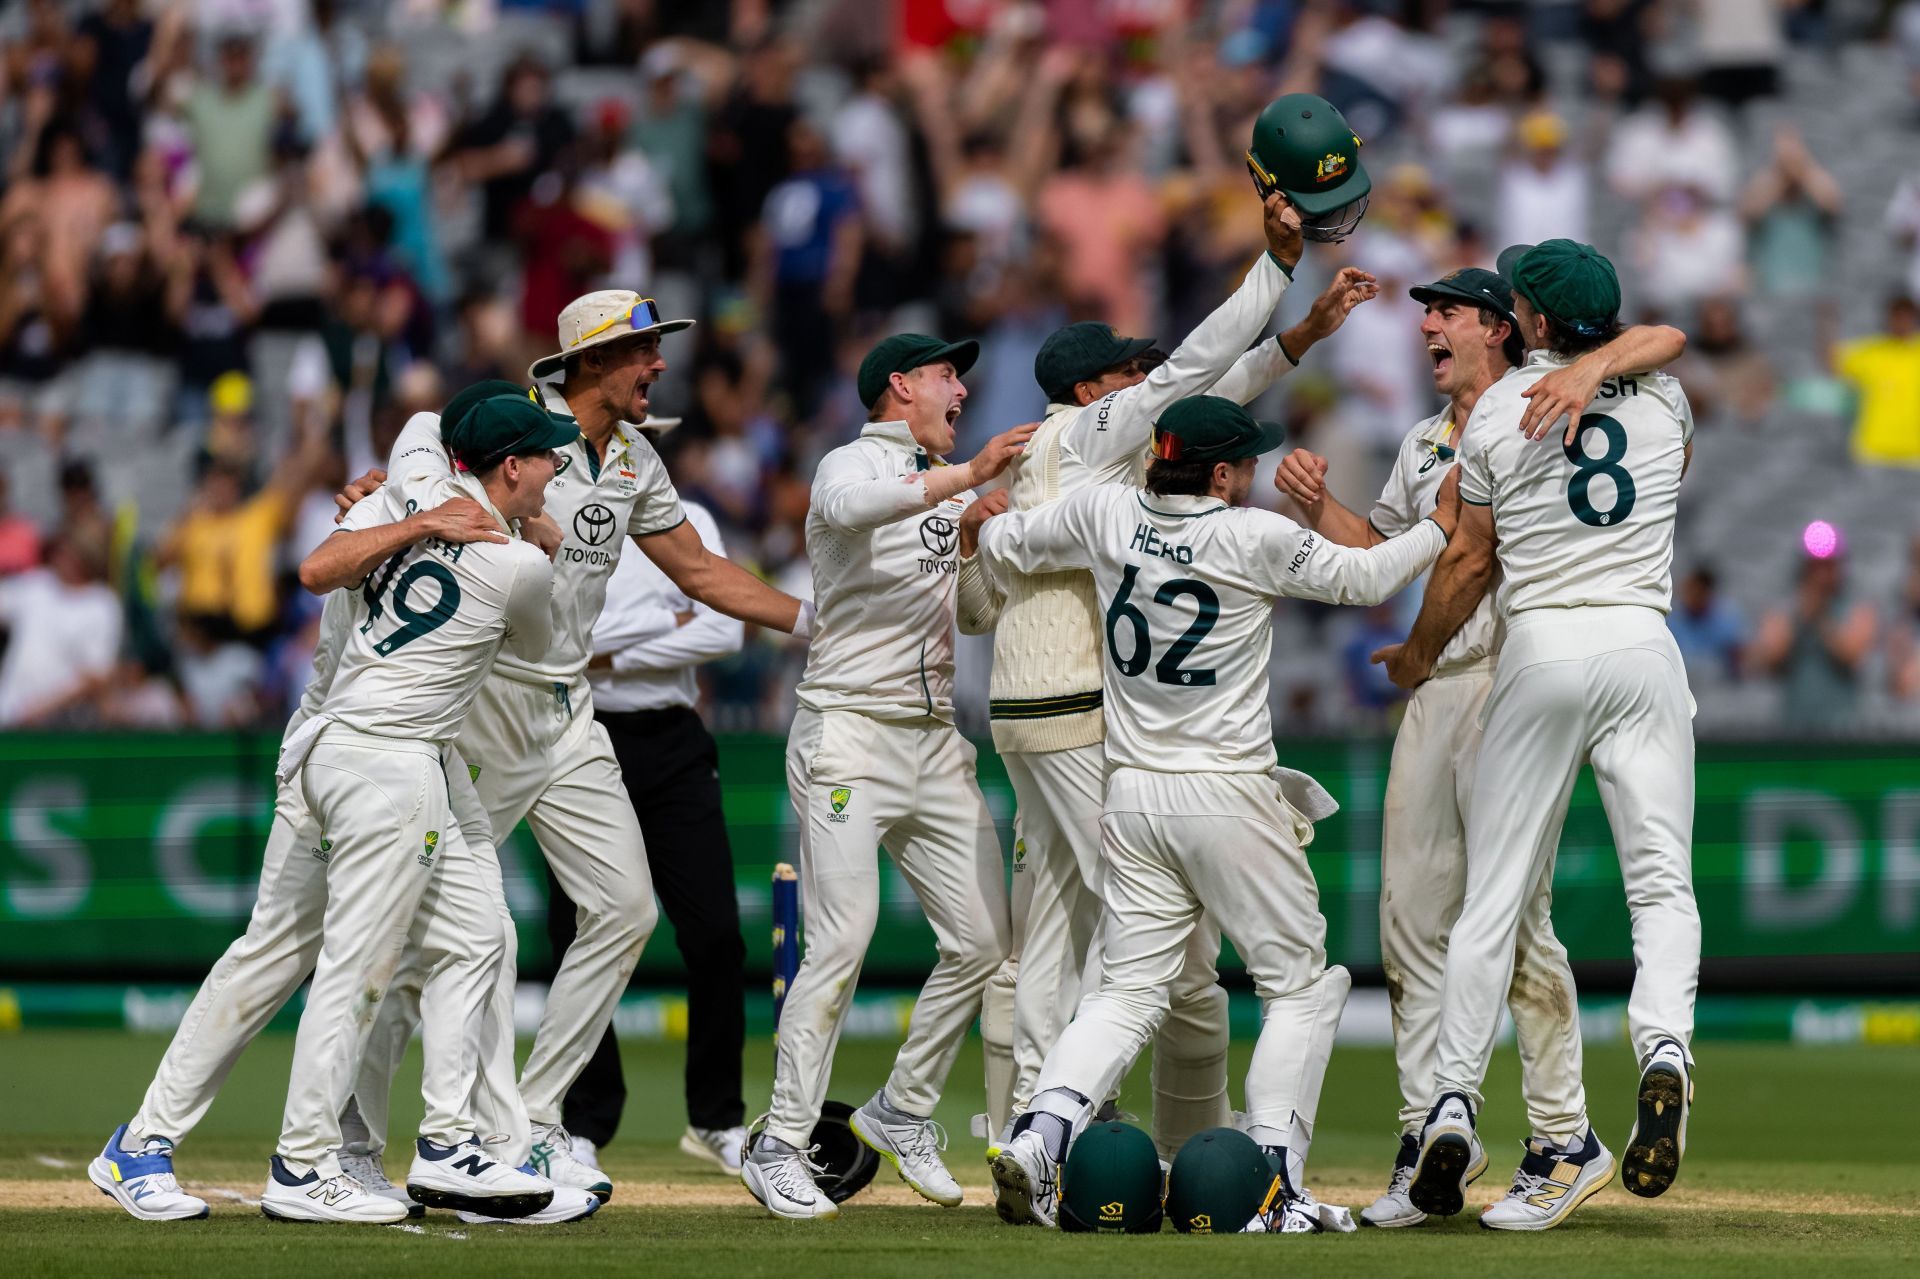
227 561
1885 373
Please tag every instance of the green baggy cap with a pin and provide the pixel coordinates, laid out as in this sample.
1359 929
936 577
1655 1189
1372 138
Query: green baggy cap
1080 353
1209 428
505 426
1571 283
905 352
464 399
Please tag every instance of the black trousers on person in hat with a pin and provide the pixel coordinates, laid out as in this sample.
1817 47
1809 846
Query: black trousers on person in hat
670 766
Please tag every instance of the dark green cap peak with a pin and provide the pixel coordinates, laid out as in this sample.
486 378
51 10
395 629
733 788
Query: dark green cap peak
464 399
905 352
1571 283
504 426
1080 353
1112 1182
1210 428
1472 285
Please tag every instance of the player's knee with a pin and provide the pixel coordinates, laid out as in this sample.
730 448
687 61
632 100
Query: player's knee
977 958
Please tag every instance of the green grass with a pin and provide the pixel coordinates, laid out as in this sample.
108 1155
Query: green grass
1800 1160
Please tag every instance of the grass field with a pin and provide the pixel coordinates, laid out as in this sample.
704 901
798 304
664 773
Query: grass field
1800 1162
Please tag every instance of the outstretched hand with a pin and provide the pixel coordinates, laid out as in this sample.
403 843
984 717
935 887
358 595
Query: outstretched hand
356 489
1349 287
999 453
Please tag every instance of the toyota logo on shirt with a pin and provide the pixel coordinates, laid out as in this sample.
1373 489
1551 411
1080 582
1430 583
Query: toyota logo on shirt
593 524
937 534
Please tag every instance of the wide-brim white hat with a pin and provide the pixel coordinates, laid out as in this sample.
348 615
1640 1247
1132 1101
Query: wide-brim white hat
609 315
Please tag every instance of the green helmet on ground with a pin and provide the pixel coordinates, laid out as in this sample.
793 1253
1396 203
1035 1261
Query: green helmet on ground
1303 148
1220 1178
1112 1183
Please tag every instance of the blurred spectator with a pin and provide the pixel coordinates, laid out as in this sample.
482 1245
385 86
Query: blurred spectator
394 138
620 191
74 202
747 148
810 245
1368 688
567 253
110 46
1544 189
1815 648
871 142
1741 44
19 539
1791 208
1884 372
1906 35
34 332
1723 371
670 129
84 519
1903 637
1672 143
1105 215
230 117
1687 248
1902 221
1618 34
214 307
63 624
506 150
1708 629
130 335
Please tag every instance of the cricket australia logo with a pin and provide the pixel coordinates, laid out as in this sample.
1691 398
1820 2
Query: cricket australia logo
1019 855
838 798
433 846
324 853
593 523
1332 165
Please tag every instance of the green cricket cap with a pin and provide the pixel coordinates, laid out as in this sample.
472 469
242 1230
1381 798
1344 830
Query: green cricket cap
905 352
1472 285
1080 353
1568 282
464 399
1219 1180
504 426
1112 1183
1210 428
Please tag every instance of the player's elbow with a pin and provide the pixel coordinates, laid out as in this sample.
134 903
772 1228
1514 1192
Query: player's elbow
314 578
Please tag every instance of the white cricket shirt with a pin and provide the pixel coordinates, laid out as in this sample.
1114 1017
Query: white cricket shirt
653 655
1186 587
1591 524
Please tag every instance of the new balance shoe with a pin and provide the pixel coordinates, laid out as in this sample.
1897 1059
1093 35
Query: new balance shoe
312 1197
365 1167
911 1144
552 1158
142 1181
467 1179
721 1147
586 1152
1450 1158
780 1176
1394 1209
1551 1182
1026 1181
568 1205
1659 1135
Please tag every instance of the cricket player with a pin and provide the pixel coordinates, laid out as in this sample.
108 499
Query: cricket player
531 741
874 759
1474 341
371 765
1198 814
263 968
1048 724
1583 534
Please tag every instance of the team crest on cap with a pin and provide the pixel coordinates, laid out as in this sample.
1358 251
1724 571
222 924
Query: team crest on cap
1332 165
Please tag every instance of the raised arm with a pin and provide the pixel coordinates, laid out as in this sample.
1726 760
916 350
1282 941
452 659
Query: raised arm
852 501
1566 392
718 581
1270 360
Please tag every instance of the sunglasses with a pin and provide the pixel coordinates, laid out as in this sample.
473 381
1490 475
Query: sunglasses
1166 445
644 314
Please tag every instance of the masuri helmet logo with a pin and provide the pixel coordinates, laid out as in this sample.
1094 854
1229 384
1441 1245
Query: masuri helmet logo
1115 1211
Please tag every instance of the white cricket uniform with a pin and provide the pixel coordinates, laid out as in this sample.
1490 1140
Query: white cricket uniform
538 754
873 759
371 765
1588 671
1049 729
263 967
1199 816
1423 849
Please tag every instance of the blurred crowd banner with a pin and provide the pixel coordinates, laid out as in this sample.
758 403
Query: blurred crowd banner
130 855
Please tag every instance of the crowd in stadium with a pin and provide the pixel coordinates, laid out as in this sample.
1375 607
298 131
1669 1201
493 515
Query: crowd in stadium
244 240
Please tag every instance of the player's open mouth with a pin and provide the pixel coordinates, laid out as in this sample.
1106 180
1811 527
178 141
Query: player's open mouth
953 414
1442 359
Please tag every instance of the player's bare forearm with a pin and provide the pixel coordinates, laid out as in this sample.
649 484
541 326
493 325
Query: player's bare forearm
346 558
1339 525
1566 392
717 581
1459 582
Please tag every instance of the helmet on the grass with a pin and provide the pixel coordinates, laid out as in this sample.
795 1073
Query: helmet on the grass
1112 1182
1219 1180
1303 148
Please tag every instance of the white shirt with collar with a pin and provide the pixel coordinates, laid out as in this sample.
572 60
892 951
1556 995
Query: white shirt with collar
654 656
886 580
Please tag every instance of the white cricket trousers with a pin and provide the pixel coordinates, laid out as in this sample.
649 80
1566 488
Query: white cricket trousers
1060 796
1229 844
386 811
1599 684
266 965
859 783
1423 878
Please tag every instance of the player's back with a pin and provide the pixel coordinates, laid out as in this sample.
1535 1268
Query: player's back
1586 525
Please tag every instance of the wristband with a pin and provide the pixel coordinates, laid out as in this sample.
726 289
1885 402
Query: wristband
803 623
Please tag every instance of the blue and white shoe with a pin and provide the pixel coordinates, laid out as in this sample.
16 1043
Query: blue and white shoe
365 1167
1659 1135
468 1179
142 1182
313 1197
1551 1182
569 1204
1450 1157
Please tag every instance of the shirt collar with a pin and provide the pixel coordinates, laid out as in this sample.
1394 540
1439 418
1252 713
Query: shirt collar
1181 505
1539 357
474 489
901 434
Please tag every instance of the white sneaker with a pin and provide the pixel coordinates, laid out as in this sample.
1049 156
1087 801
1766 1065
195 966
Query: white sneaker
1550 1184
142 1181
781 1178
1659 1136
721 1147
586 1152
365 1167
568 1204
552 1158
1300 1214
467 1179
1393 1210
1450 1158
911 1144
1026 1181
338 1198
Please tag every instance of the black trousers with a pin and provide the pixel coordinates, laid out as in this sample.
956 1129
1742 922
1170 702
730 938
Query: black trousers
670 766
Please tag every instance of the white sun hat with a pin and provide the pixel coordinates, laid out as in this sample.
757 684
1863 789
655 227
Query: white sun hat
606 316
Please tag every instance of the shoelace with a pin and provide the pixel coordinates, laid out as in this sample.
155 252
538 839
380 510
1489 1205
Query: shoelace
796 1172
928 1141
1400 1182
1526 1185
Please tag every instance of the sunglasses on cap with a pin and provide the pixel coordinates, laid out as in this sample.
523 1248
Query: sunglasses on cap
644 314
1166 445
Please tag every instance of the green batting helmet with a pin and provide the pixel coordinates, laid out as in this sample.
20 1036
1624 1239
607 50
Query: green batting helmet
1303 148
1112 1183
1219 1180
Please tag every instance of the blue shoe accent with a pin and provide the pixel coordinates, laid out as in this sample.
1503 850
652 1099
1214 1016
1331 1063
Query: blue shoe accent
283 1175
129 1165
430 1150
